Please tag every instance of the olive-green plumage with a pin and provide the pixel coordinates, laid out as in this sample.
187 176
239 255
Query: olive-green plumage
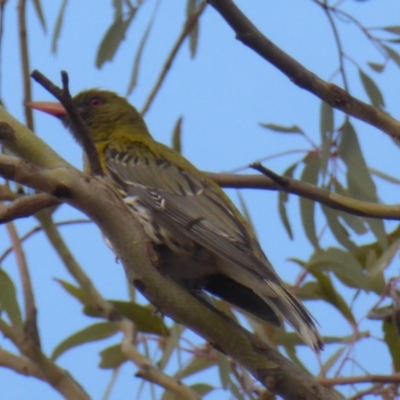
203 241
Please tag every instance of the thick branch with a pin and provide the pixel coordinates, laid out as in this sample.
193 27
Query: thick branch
328 92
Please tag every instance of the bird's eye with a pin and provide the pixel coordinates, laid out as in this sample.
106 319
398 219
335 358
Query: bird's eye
96 101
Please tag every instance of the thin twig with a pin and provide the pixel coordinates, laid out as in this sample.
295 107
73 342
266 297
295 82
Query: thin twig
58 378
23 43
187 28
308 191
30 326
351 380
38 229
338 44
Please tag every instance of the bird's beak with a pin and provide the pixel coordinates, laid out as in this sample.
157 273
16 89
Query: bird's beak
55 109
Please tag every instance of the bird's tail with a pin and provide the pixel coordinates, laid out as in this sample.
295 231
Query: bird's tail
296 314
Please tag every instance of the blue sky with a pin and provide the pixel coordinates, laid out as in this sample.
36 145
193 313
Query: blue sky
222 95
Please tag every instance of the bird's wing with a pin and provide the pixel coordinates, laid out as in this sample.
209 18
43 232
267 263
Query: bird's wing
188 204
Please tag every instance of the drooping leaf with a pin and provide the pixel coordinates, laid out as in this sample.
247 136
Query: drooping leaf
112 357
283 129
39 11
375 277
138 56
377 67
8 301
326 131
245 211
352 221
223 369
323 288
142 316
283 198
307 207
384 176
392 339
372 90
194 33
393 55
92 333
75 291
195 365
392 29
113 38
57 28
343 264
359 181
176 136
338 230
202 388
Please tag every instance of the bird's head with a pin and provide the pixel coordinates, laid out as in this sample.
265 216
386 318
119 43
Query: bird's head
106 114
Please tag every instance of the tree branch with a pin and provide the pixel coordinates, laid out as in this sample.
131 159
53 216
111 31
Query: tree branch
332 94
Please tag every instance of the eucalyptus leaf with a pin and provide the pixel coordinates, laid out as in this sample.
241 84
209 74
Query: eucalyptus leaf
8 301
92 333
307 207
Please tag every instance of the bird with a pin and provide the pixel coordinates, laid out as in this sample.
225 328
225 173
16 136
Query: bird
203 241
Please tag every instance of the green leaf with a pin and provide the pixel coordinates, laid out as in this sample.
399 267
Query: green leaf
142 316
377 67
92 333
170 344
176 136
112 357
195 365
194 33
283 129
307 207
393 55
283 198
338 230
372 90
75 291
386 177
138 56
39 11
223 369
202 388
343 264
323 289
8 301
392 339
375 276
113 38
352 221
245 211
57 28
359 181
392 29
326 132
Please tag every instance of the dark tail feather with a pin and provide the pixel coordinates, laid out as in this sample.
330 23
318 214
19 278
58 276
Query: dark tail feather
242 297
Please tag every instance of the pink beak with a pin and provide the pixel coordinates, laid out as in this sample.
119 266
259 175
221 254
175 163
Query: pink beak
52 108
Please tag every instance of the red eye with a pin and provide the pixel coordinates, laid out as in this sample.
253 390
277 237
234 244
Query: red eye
96 101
